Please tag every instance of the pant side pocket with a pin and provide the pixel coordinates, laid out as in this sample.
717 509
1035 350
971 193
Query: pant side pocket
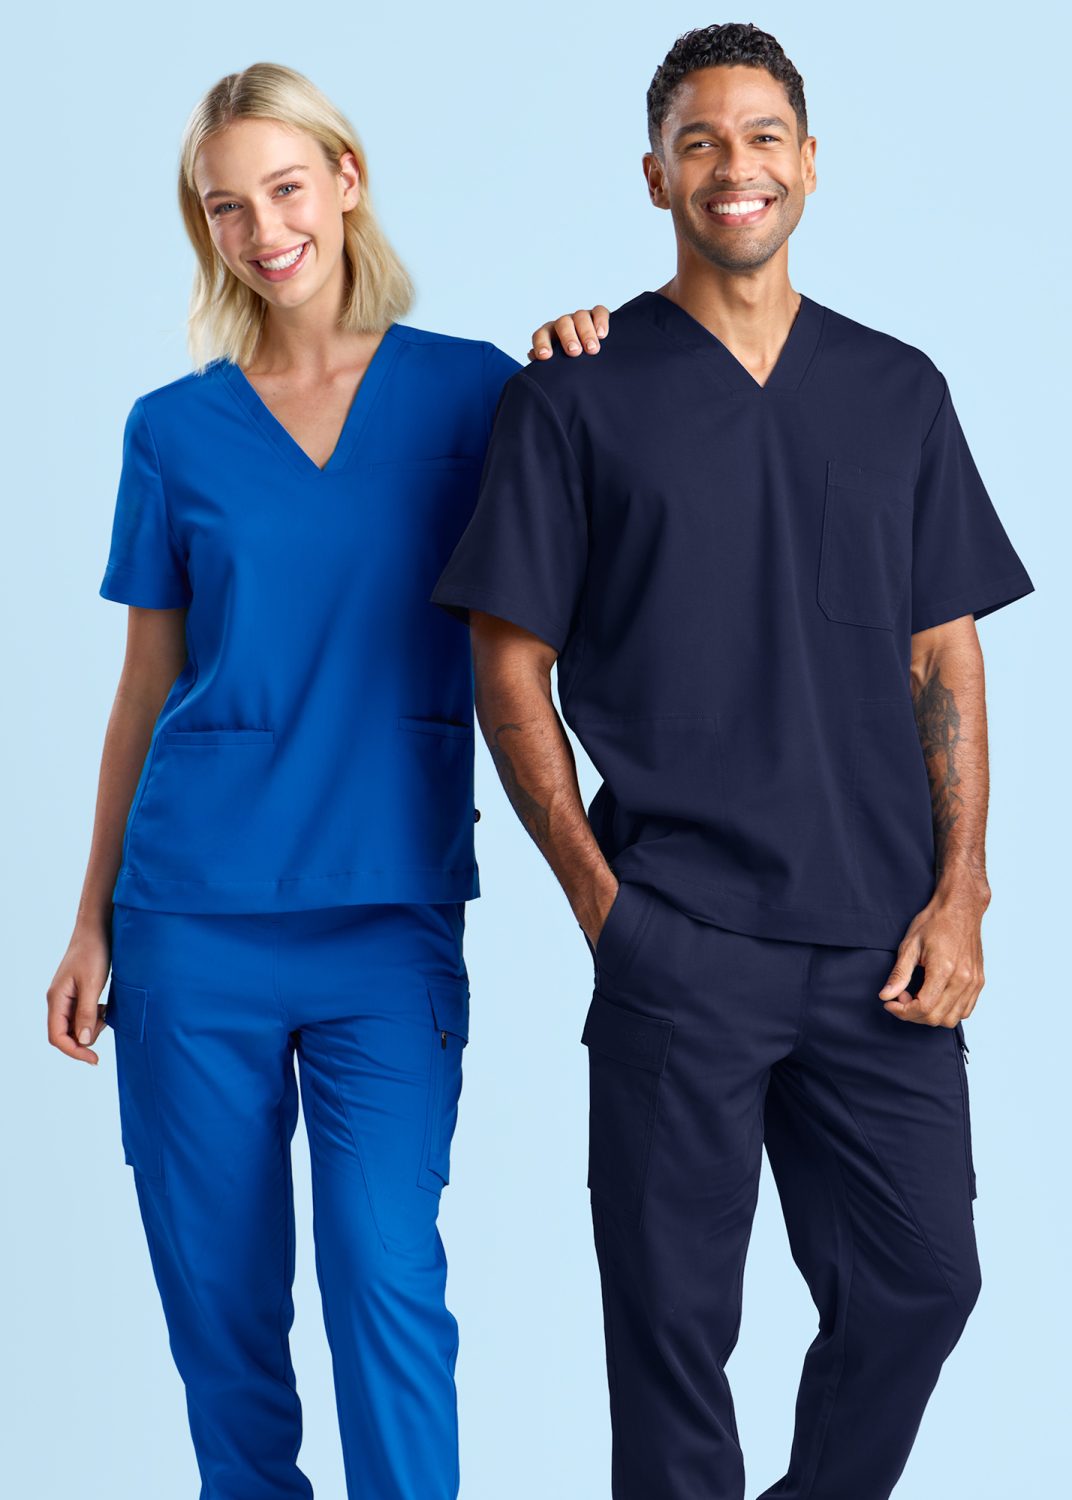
138 1114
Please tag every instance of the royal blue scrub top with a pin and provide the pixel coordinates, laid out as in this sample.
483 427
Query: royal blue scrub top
317 747
731 575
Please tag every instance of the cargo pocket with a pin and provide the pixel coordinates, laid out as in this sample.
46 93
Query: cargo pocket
962 1053
626 1056
139 1120
865 557
449 1002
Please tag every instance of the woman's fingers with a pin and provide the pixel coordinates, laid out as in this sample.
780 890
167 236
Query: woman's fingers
586 331
74 1019
578 333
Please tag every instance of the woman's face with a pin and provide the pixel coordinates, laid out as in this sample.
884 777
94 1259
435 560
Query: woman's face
274 208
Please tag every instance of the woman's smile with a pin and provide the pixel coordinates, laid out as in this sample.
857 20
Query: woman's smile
282 264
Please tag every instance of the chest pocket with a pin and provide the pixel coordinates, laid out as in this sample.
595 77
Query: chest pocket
865 558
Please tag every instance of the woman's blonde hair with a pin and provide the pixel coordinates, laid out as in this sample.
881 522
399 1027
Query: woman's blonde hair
226 316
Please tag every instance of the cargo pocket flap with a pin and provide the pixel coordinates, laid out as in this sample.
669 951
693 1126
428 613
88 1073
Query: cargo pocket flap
450 1006
125 1010
626 1036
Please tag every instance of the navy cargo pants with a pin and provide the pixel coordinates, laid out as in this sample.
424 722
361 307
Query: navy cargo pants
705 1045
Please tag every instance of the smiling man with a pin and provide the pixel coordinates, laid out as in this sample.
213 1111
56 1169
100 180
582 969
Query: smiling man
752 535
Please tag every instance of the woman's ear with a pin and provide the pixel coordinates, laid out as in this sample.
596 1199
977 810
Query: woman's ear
350 180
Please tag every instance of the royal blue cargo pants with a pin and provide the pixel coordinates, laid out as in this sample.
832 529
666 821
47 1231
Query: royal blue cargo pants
705 1045
209 1014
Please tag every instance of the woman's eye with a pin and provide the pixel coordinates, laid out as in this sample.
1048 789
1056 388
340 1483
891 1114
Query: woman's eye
220 208
288 185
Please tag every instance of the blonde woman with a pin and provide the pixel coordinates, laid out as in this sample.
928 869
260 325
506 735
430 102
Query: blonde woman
283 842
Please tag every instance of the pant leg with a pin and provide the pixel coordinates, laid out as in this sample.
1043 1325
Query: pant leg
208 1103
866 1131
380 1001
685 1023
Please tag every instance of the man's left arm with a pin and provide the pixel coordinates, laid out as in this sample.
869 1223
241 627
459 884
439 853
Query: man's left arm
948 693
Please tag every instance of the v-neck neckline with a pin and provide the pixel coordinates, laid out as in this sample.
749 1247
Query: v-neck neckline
790 367
354 423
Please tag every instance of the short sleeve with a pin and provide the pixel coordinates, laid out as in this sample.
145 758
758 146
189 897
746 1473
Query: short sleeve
963 562
524 553
145 566
497 370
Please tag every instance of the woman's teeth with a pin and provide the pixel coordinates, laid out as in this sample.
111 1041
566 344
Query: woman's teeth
281 262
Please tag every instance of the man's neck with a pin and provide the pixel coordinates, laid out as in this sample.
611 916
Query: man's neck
750 313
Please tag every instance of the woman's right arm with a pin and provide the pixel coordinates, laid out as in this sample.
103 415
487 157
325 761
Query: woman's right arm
155 655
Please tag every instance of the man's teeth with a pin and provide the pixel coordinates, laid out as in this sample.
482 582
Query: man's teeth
746 206
281 262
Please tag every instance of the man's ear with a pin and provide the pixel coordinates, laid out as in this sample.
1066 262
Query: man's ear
655 175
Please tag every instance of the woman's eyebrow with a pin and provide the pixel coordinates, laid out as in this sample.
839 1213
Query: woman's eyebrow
283 172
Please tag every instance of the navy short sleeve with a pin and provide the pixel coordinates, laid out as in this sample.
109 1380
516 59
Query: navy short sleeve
145 567
962 560
498 368
523 555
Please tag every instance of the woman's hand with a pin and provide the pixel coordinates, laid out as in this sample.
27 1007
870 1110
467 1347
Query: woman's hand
586 328
75 1018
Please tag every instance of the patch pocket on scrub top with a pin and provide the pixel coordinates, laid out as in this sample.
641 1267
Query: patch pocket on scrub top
865 556
626 1056
449 1002
138 1115
429 791
199 739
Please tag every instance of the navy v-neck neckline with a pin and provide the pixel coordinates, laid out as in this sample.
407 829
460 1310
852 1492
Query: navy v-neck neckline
354 423
790 367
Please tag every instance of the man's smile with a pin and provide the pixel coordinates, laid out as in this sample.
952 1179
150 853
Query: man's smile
733 209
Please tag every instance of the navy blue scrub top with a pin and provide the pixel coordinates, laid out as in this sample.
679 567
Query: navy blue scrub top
731 575
317 748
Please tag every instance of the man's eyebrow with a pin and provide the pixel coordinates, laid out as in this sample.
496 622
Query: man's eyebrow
272 176
704 127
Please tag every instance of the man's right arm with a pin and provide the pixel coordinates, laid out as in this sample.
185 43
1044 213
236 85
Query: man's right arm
535 762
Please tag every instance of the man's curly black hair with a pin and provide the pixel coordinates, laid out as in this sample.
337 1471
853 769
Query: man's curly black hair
735 44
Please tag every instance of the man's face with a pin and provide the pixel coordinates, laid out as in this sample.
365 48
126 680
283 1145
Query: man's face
733 173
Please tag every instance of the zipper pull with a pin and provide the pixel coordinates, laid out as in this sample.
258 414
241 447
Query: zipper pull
965 1049
443 1040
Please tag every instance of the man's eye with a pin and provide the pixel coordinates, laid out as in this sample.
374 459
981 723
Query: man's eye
766 137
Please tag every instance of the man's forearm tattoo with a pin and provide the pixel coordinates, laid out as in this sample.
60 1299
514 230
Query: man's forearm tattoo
534 817
938 722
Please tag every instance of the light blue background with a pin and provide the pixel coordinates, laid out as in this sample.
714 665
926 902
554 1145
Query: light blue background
504 146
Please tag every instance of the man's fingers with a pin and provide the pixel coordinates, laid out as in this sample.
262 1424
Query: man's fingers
932 1005
902 971
922 1015
601 319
